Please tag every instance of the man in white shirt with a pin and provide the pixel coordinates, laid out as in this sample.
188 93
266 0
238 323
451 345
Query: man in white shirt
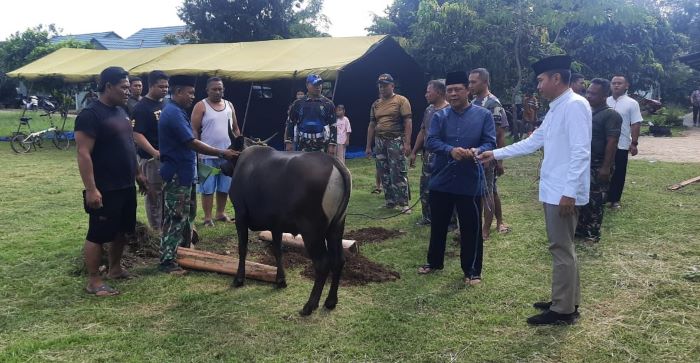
565 135
628 108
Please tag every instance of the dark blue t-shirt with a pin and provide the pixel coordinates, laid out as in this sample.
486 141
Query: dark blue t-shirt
114 153
174 133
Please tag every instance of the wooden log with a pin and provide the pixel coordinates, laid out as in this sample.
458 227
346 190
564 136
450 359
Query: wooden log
297 241
207 261
684 183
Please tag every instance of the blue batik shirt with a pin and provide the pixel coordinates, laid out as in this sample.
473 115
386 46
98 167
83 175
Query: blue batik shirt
473 128
174 136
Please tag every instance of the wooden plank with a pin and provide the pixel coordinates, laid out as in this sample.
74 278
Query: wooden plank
684 183
298 242
207 261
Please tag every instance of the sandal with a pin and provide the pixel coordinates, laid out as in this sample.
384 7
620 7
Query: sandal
377 191
208 223
225 219
473 281
102 290
427 269
124 275
503 228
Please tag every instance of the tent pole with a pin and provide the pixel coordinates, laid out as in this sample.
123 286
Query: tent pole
335 85
247 105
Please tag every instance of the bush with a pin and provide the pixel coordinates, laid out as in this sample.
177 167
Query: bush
669 115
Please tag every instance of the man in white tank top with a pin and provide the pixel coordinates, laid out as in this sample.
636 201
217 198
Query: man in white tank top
212 118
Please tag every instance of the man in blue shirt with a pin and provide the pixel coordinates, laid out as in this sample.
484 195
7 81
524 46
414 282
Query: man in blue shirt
178 170
457 180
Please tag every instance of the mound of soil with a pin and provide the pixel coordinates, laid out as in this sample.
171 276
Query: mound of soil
142 248
359 271
372 234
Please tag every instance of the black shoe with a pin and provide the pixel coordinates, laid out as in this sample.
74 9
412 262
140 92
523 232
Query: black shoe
550 317
544 306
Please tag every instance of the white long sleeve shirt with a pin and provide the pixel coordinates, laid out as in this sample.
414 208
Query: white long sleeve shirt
565 135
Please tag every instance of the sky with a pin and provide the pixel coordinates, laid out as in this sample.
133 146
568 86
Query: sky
348 17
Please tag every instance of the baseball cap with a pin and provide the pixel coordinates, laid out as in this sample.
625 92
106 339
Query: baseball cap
385 78
314 79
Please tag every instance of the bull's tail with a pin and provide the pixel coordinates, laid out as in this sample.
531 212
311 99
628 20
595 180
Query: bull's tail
347 181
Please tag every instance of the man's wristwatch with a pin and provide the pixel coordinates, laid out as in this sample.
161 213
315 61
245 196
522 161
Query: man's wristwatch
635 143
221 154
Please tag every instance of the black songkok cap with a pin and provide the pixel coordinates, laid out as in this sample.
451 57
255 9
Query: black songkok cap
111 75
458 77
552 63
180 80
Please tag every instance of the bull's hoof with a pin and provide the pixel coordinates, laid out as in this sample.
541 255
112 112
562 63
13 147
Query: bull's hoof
281 284
330 304
237 283
307 310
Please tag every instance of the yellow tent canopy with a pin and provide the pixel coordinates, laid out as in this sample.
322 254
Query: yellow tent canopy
250 61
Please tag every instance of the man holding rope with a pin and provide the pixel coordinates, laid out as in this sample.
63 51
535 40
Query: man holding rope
456 133
565 135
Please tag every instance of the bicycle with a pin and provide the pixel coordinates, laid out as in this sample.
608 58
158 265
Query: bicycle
23 143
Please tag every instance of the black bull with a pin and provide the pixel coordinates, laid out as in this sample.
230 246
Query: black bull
293 192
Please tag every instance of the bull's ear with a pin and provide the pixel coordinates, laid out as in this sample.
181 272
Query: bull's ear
238 143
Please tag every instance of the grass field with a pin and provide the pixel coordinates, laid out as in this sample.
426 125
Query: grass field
637 305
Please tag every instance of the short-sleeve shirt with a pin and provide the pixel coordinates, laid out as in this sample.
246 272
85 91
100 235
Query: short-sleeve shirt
695 97
174 135
313 116
114 153
145 120
492 104
628 108
343 126
131 104
389 114
606 123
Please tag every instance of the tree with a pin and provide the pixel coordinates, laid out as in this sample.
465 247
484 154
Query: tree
398 19
22 48
214 21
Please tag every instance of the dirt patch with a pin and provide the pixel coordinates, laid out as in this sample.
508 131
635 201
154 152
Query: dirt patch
372 235
359 270
143 248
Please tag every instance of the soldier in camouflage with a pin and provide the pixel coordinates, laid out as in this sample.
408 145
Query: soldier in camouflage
390 128
479 79
435 95
311 124
178 162
605 134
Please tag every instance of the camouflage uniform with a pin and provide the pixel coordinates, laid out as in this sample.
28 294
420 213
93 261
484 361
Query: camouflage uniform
311 124
391 163
424 180
179 207
590 216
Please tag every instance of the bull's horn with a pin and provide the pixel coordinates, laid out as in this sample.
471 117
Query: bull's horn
269 138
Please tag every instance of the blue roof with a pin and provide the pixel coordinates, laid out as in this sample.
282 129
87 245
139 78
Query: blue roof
153 37
86 37
106 43
144 38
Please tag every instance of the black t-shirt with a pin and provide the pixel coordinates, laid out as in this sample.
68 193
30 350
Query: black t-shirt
606 122
145 120
114 154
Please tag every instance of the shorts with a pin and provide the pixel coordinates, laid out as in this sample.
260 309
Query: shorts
214 183
491 177
117 216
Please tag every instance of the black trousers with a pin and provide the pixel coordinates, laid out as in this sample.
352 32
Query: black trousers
617 182
696 115
471 242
